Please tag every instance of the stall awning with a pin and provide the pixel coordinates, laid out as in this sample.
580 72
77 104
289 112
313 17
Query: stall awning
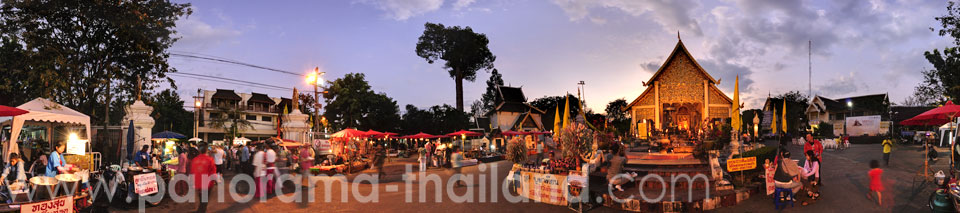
43 110
226 94
260 98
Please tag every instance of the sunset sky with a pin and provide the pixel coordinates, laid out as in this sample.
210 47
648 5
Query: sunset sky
859 47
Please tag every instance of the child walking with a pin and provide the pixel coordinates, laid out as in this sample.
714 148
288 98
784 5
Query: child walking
876 184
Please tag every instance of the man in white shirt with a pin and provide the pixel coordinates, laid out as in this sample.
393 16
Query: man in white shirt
259 171
271 171
218 160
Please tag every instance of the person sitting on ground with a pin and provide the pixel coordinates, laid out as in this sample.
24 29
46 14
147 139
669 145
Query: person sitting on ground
811 175
614 173
786 175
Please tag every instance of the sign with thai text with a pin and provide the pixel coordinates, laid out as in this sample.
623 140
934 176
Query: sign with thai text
741 164
145 184
769 170
59 205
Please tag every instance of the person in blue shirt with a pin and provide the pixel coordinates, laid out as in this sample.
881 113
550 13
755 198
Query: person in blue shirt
142 157
56 164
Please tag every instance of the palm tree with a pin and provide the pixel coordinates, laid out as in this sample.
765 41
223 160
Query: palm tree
230 121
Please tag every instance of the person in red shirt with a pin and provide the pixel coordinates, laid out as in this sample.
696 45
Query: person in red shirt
876 182
203 170
813 145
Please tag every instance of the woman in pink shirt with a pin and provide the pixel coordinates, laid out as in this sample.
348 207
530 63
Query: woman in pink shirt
182 162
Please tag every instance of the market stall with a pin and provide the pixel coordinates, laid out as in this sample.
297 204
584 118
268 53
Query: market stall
347 147
50 116
559 180
43 112
165 143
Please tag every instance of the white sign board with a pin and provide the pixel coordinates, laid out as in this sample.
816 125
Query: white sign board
59 205
145 184
76 147
863 125
323 146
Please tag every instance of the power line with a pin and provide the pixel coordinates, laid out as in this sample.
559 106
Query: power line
229 61
229 81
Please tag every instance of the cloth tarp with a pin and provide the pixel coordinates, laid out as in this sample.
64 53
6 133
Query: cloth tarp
43 110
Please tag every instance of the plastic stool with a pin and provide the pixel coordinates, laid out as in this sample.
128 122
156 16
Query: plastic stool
778 205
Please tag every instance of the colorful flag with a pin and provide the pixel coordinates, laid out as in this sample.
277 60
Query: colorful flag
566 112
556 120
735 113
784 116
773 121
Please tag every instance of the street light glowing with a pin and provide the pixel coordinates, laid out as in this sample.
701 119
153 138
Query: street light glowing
197 103
849 103
315 77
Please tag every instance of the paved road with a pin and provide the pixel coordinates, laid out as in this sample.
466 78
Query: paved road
844 174
846 183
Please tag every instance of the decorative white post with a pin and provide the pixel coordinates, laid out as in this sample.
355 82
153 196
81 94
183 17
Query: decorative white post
294 125
142 122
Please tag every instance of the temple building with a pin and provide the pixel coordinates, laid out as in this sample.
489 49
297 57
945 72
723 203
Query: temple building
513 113
681 96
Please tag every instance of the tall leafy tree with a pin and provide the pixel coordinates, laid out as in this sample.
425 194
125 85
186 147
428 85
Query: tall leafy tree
942 83
439 119
84 54
168 113
616 115
463 51
352 103
489 98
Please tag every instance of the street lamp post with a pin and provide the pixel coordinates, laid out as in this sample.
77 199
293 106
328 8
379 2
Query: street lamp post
849 105
196 113
316 78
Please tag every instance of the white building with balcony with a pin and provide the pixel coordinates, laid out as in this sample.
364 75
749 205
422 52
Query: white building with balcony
263 113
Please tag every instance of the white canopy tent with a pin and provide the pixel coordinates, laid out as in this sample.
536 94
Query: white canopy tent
43 110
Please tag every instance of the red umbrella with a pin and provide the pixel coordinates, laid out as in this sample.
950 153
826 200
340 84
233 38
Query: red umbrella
465 133
512 133
11 111
349 133
374 133
934 117
421 136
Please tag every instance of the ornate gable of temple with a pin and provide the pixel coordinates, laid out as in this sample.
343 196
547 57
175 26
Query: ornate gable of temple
681 94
